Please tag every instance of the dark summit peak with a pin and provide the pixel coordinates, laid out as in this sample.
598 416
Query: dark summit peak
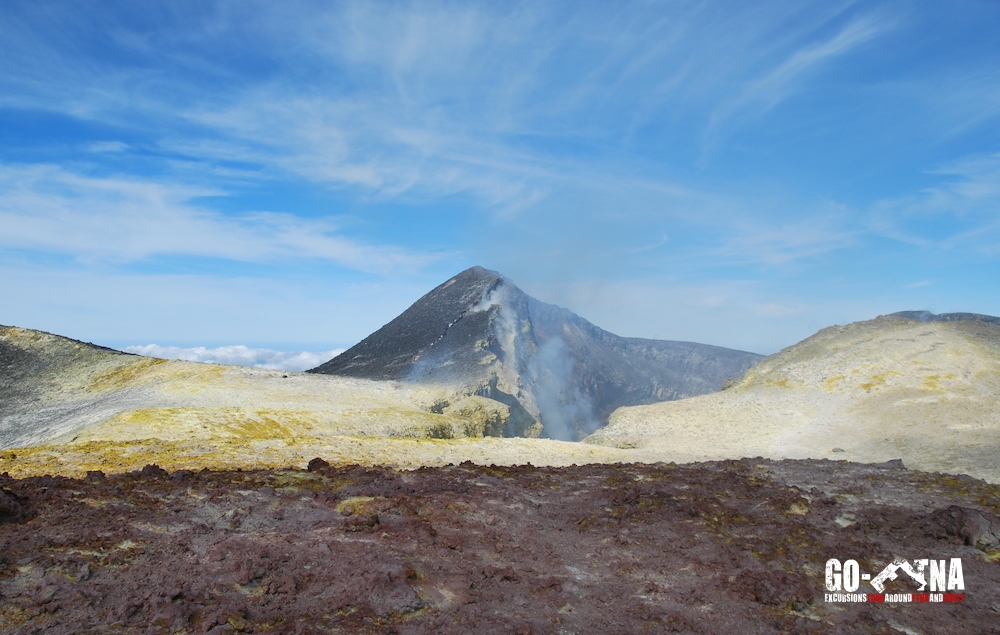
559 374
449 319
478 272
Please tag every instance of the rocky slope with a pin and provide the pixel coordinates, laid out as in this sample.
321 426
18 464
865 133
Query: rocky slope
733 547
58 391
52 385
894 387
560 375
67 407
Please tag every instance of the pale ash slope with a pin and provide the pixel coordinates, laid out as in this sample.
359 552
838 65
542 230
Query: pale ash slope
52 385
67 407
925 392
54 389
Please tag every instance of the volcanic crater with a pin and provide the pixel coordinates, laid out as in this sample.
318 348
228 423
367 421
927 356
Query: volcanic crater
422 512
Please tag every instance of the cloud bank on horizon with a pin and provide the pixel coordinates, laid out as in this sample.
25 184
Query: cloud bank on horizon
294 175
239 355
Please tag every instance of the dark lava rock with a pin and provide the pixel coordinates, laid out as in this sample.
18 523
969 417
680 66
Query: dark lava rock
317 464
976 528
550 366
154 471
713 548
11 509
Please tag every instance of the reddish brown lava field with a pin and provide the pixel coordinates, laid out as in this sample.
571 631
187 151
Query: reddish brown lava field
731 547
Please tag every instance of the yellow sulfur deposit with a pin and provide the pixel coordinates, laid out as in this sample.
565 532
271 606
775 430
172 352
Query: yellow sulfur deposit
889 388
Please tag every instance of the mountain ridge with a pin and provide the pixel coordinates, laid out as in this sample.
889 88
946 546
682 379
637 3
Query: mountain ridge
927 316
894 387
561 375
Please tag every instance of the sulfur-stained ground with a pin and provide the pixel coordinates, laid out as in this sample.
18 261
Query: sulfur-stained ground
928 393
728 547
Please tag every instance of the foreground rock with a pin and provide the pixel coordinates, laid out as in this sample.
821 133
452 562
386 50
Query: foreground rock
560 375
734 547
914 386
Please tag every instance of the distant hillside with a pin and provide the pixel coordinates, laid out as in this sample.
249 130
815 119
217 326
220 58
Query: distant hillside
560 375
51 384
55 390
893 387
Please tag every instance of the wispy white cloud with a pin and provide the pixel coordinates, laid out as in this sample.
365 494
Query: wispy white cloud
293 310
107 146
764 93
755 240
563 138
977 182
675 309
960 212
50 209
239 355
957 101
430 99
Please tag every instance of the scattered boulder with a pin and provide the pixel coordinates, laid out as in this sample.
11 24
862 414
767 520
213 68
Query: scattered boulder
317 465
977 528
891 464
154 471
11 509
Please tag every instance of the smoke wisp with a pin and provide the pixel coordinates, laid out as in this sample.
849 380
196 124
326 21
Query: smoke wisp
505 325
567 414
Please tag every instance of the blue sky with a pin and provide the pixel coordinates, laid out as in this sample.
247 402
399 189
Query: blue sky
293 175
